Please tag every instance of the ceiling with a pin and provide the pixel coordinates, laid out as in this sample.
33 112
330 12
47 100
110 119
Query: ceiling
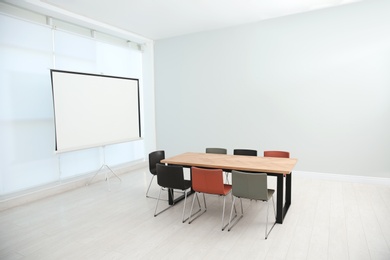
159 19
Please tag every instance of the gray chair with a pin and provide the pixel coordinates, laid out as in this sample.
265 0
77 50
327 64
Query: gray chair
216 150
219 151
251 186
247 152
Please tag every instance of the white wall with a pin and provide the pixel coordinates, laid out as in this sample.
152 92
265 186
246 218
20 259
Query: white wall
148 104
315 84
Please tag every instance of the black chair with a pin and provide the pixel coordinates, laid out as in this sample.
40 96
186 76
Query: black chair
172 177
154 158
247 152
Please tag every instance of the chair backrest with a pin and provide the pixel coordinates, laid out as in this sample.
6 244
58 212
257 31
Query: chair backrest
247 152
249 185
207 180
154 158
280 154
216 150
170 176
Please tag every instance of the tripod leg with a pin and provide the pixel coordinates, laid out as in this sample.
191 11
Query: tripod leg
93 177
113 173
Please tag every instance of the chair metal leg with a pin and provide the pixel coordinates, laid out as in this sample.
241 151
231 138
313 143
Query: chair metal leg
223 213
204 201
150 183
199 210
205 209
231 212
155 211
242 209
147 192
184 207
235 210
266 225
158 200
273 204
231 225
192 204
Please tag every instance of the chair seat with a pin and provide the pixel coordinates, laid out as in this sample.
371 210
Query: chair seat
187 184
226 189
184 186
269 195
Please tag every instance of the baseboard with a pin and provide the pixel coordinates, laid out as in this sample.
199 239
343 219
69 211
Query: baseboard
344 177
37 193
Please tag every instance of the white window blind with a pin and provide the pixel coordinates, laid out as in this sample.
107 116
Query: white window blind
27 53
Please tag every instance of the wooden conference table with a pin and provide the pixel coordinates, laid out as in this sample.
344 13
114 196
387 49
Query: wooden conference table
273 166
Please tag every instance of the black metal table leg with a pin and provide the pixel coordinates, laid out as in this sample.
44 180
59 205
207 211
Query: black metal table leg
171 196
288 193
279 199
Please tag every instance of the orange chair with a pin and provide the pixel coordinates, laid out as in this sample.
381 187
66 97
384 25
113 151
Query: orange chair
280 154
208 181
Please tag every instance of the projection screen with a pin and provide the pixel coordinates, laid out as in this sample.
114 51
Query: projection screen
93 110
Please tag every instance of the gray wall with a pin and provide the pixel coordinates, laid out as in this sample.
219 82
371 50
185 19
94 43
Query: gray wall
316 84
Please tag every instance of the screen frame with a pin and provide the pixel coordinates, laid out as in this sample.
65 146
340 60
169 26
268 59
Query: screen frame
61 103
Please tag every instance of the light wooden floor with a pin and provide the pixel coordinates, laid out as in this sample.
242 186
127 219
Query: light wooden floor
327 220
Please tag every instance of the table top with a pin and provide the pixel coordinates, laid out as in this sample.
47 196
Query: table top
234 162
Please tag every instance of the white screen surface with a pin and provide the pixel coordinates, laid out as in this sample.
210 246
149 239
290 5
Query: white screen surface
94 110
